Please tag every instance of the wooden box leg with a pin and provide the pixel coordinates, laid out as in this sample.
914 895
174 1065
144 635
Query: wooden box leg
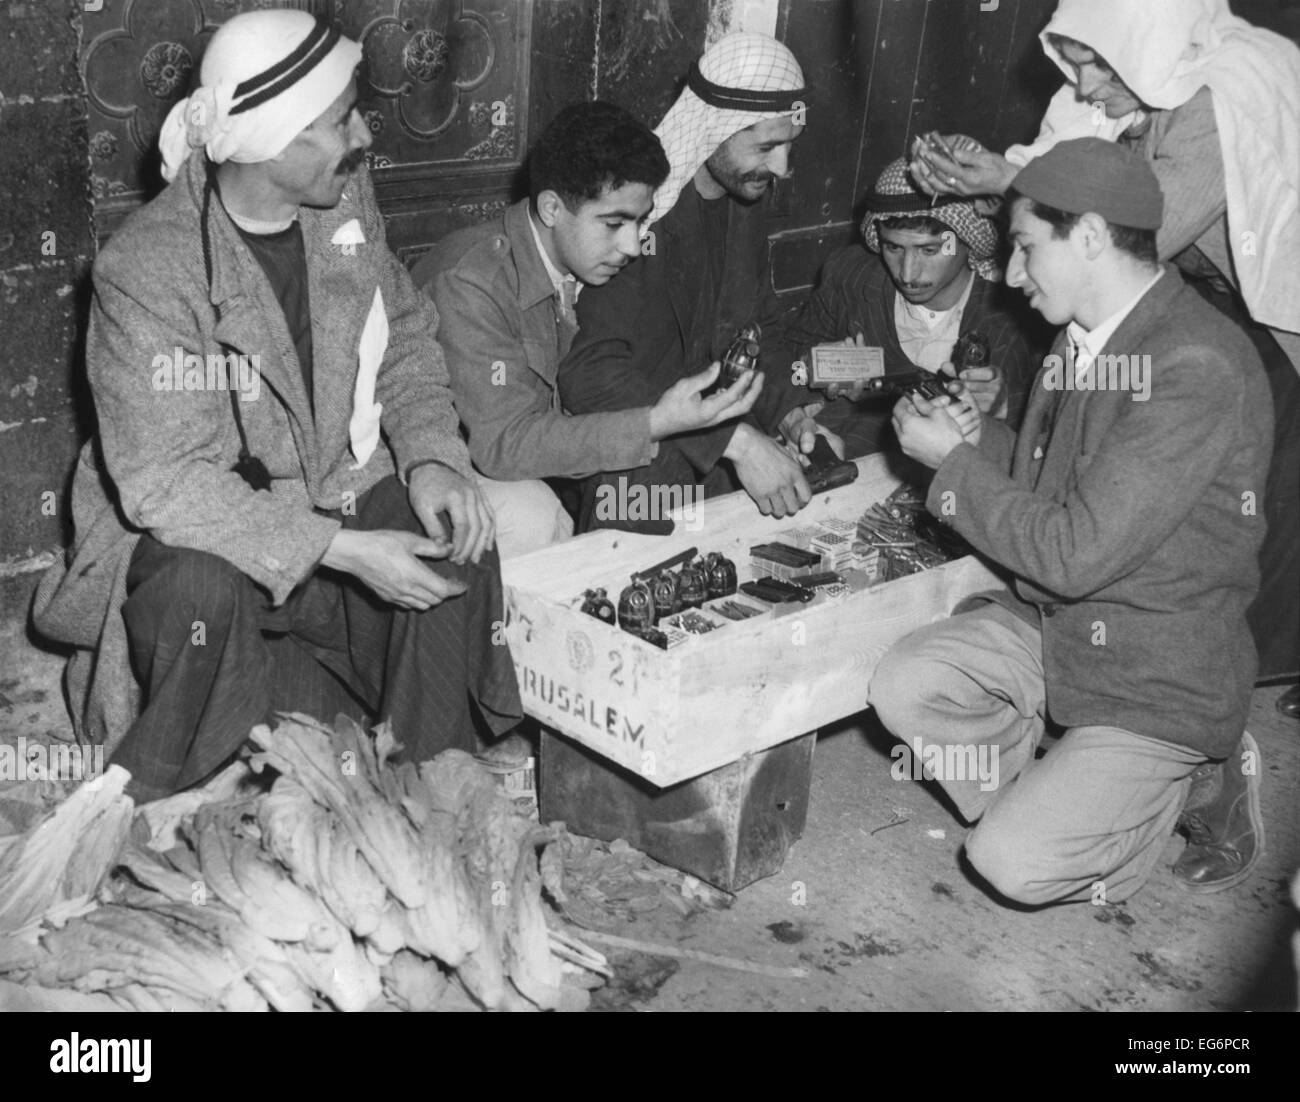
729 827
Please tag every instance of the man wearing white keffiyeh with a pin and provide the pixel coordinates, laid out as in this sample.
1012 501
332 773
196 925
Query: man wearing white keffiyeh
320 529
704 274
714 105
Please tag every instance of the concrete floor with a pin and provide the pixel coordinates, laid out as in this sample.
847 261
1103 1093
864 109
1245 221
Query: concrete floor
889 919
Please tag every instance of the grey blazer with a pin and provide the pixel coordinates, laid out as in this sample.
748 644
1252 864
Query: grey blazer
1133 527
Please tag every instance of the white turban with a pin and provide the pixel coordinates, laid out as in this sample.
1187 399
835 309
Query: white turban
744 78
266 77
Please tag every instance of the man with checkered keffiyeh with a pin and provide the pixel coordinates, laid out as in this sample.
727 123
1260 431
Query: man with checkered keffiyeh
934 277
704 274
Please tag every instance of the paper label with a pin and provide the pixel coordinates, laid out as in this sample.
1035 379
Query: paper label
837 363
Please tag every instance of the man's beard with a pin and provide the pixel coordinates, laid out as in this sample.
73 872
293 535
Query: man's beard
734 182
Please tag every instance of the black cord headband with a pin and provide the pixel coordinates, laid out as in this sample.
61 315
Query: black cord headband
741 99
284 74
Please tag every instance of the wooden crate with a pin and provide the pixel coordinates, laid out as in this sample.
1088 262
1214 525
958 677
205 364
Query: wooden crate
673 715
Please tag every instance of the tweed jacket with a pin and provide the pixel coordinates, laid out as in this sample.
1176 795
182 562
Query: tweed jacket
499 331
1132 527
638 334
161 461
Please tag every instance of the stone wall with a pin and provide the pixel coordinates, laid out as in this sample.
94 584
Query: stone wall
46 249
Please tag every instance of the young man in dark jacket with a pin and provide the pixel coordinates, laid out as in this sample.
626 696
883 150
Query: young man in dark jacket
1128 509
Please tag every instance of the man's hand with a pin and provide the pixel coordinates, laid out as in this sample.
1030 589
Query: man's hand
800 432
986 386
962 409
928 431
388 562
435 489
974 171
770 475
681 409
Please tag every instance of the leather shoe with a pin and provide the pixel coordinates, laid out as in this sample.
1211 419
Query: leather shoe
1289 702
1225 834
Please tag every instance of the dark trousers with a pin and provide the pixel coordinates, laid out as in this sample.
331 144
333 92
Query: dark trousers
214 658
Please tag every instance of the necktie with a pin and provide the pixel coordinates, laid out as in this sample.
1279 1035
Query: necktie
566 319
568 296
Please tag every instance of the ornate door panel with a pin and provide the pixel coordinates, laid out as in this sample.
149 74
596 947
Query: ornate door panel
444 89
138 58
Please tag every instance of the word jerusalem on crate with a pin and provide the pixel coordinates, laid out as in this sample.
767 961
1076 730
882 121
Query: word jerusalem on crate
701 754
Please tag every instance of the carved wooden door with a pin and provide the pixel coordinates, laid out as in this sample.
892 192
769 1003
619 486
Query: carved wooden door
444 89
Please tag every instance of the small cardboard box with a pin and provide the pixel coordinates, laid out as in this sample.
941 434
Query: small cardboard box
837 363
670 716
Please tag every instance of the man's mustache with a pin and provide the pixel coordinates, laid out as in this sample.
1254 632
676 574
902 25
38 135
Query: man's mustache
351 163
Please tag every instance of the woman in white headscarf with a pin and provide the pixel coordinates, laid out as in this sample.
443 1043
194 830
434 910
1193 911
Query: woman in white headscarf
1211 101
1214 104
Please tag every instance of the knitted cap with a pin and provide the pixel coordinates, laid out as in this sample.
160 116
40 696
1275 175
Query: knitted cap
1092 175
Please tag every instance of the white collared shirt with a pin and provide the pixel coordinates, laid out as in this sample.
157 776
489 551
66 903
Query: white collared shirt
1085 345
926 335
558 278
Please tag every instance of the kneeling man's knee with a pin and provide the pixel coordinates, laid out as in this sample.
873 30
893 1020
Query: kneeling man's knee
1003 858
899 686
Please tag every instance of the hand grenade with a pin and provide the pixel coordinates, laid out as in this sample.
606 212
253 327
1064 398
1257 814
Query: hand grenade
692 585
636 608
597 604
663 588
720 575
741 355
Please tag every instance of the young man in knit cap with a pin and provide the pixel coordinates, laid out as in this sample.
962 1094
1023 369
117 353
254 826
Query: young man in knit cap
298 525
505 292
1127 509
937 279
704 274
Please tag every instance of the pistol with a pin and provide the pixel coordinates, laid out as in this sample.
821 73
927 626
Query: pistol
826 470
972 350
923 383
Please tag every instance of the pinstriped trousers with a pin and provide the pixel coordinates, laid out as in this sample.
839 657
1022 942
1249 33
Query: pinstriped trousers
214 658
